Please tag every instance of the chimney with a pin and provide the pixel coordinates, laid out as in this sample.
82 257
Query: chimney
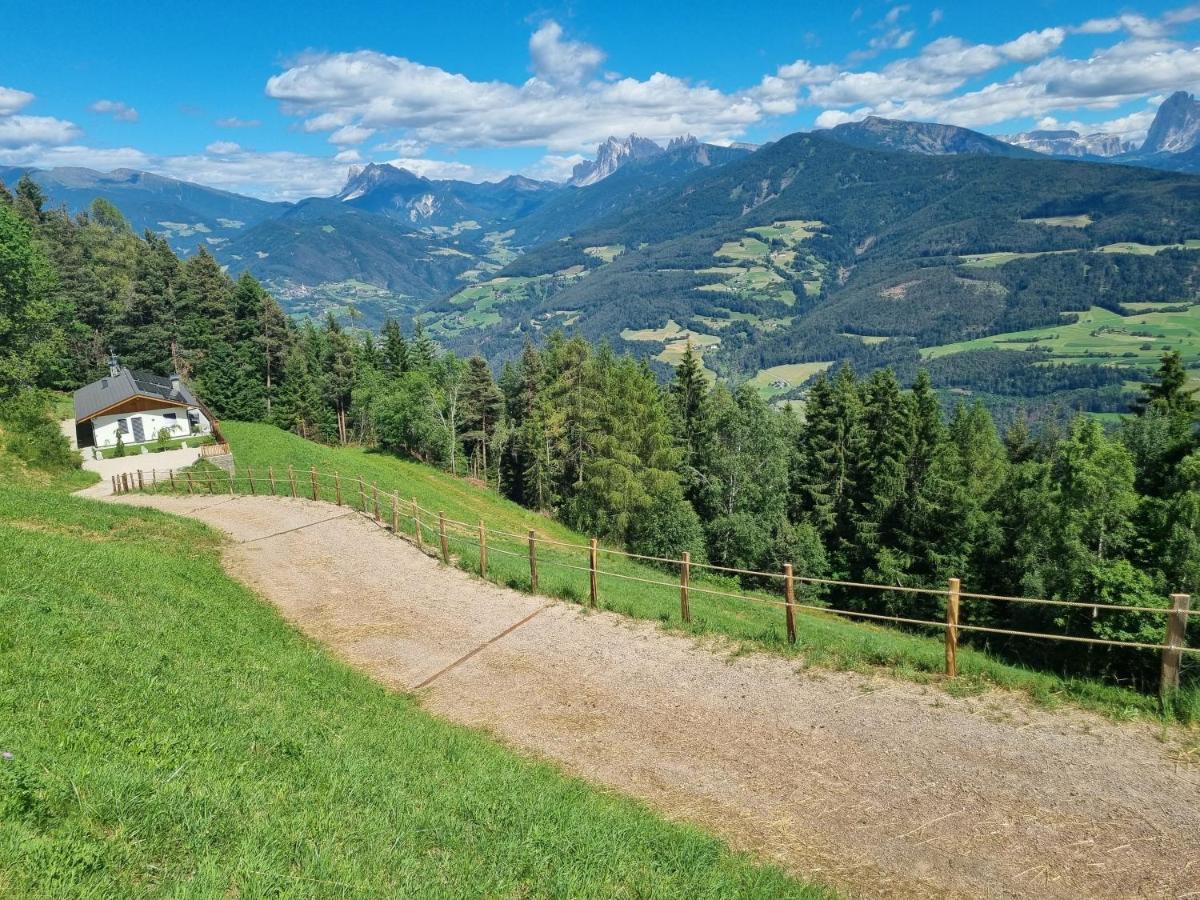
174 384
114 364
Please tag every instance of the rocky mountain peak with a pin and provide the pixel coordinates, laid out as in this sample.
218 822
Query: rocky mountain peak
364 179
1176 126
610 156
1066 142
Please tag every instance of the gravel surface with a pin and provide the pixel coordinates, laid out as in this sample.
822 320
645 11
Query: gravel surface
880 787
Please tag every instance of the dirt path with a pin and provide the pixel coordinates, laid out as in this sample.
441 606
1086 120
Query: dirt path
879 787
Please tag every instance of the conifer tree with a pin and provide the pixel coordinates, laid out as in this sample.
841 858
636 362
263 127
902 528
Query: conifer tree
483 408
395 349
338 372
423 352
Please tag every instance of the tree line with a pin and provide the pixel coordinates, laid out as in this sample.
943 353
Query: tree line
874 482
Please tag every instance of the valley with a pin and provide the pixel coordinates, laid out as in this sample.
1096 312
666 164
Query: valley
767 262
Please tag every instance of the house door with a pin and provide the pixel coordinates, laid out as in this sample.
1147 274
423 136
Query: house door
139 432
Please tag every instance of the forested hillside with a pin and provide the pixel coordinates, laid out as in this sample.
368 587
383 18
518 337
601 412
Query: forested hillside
899 251
874 484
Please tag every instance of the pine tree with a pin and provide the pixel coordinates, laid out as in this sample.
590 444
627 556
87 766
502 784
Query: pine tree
689 395
1169 389
833 443
880 484
338 371
482 410
395 349
423 352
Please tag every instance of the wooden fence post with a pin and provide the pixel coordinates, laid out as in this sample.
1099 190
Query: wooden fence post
271 478
1172 653
141 486
337 486
154 477
395 513
685 577
292 480
124 482
191 486
533 579
375 500
952 628
442 536
362 495
312 477
171 475
790 609
231 485
250 478
482 549
592 573
112 483
417 524
212 484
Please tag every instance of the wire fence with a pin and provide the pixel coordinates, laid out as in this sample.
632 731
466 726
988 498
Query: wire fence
432 531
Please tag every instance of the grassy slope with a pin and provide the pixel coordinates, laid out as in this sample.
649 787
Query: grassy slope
823 640
171 736
1098 331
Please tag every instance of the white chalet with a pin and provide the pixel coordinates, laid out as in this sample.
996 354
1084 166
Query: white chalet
138 406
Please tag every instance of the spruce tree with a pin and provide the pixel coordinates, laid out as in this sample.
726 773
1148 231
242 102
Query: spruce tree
395 349
482 410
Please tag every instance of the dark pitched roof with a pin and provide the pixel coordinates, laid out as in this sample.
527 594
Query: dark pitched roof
113 389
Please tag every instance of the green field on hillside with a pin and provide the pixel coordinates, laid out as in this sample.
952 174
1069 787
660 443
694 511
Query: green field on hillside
779 380
675 340
823 639
992 260
165 734
1101 336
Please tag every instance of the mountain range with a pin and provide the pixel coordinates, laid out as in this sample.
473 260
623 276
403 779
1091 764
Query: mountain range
866 242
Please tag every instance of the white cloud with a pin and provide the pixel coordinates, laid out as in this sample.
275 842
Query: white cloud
559 61
558 108
12 100
223 148
75 155
935 17
235 122
403 146
350 134
1033 44
118 109
440 169
929 86
552 167
26 131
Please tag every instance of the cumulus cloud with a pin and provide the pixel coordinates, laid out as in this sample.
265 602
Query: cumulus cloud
553 167
27 131
350 134
558 60
930 85
12 100
118 109
560 107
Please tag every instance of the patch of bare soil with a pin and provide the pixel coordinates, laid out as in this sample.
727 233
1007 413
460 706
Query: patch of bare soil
879 787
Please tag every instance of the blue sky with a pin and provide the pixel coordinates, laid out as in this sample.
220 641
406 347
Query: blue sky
280 99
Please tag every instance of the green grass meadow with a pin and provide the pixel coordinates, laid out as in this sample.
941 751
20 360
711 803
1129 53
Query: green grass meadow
823 640
163 733
1102 336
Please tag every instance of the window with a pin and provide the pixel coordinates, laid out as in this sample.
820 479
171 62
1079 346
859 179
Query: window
170 417
122 426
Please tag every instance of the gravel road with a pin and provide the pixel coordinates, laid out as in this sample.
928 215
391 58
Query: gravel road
880 787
